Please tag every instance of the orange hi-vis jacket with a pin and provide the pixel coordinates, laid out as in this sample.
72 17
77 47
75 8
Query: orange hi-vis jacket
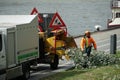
86 42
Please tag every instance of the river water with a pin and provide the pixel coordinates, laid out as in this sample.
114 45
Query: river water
78 15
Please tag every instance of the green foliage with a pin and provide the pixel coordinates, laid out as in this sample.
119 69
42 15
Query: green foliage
118 54
96 59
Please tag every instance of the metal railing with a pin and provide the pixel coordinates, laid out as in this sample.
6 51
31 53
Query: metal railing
115 4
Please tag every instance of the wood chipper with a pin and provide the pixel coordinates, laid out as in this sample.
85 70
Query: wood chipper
53 39
53 47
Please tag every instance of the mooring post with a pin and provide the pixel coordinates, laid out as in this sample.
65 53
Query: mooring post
113 44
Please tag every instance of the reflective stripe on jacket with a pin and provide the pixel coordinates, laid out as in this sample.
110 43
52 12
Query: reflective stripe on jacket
85 42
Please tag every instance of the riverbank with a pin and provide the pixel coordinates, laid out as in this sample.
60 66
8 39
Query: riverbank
105 30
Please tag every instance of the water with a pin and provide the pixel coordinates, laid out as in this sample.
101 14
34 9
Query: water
78 15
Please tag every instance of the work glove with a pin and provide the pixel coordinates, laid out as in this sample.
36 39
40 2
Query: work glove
95 49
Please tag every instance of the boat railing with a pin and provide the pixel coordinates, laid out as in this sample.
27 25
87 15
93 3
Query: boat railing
115 4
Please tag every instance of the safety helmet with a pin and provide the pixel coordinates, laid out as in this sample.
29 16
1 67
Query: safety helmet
87 32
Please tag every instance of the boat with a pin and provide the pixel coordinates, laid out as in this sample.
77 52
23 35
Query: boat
115 21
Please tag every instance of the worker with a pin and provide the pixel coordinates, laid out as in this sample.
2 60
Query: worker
87 42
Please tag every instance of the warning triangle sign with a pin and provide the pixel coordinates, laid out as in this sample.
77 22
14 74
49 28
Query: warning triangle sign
35 11
57 22
40 20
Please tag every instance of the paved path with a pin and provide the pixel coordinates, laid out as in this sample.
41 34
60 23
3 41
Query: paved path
46 71
102 39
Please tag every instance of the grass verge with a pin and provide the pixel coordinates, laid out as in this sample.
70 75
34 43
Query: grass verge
102 73
110 72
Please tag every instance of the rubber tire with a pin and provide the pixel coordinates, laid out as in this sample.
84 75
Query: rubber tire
26 71
26 75
54 65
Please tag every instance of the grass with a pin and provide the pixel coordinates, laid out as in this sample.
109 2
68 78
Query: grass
102 73
118 54
111 72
